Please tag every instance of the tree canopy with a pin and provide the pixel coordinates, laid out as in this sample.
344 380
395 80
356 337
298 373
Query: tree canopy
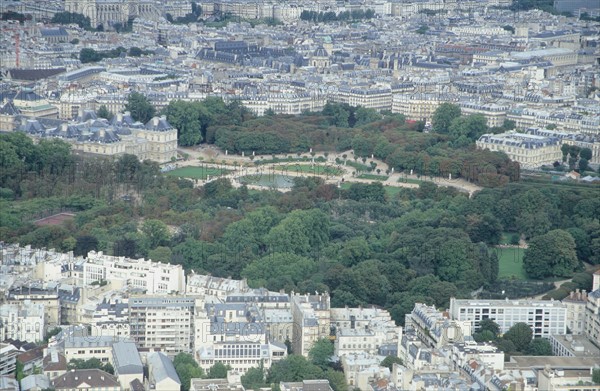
140 108
551 255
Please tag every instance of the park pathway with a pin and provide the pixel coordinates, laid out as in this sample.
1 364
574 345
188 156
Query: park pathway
211 156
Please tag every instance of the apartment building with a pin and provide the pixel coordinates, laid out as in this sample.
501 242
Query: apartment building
281 103
489 355
527 149
420 106
152 277
205 285
77 345
111 319
563 120
576 303
127 364
570 345
8 359
544 317
49 299
163 322
161 374
555 379
434 327
371 98
235 334
359 330
495 114
592 312
25 321
572 138
360 368
30 104
311 317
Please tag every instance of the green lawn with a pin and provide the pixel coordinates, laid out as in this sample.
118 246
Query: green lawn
310 169
409 180
511 262
373 177
358 166
197 172
391 191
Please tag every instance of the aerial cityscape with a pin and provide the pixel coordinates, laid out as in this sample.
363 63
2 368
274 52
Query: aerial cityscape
270 195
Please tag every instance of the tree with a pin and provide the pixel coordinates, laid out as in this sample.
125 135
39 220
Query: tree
321 352
443 117
72 18
586 153
269 270
422 29
89 55
364 116
140 108
551 255
596 375
187 368
160 254
135 51
484 336
51 333
583 165
156 232
465 130
186 118
389 362
293 368
507 346
486 228
84 245
337 380
254 378
218 371
489 325
92 363
104 113
539 347
520 335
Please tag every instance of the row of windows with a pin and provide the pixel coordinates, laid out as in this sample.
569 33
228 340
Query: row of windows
356 346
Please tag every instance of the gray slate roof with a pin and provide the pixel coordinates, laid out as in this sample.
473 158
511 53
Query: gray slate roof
161 368
127 359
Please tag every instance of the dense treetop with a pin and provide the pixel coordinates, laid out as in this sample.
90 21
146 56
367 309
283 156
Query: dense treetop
364 245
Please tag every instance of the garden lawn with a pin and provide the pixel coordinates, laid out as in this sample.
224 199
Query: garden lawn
197 172
511 262
373 177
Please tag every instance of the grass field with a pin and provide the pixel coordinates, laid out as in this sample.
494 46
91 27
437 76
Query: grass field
310 169
358 166
409 180
391 191
373 177
511 262
197 172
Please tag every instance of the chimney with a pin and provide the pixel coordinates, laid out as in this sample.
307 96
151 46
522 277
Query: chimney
155 121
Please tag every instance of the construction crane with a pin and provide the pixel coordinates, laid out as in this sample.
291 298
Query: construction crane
17 36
